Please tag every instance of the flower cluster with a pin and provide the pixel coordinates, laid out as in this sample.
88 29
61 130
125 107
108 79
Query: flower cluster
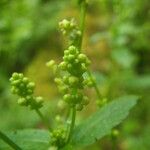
22 87
70 28
101 102
72 83
58 137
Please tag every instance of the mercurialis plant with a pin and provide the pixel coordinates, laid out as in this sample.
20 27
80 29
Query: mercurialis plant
72 76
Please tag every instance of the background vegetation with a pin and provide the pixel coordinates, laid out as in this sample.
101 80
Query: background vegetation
116 40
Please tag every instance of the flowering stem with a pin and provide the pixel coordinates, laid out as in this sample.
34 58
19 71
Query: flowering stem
79 45
82 22
43 118
9 141
82 27
73 116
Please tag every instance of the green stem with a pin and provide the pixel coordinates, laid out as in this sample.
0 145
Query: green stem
114 144
9 141
73 117
82 27
95 85
82 22
43 118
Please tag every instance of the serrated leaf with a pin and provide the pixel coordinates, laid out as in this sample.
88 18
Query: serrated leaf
28 139
101 122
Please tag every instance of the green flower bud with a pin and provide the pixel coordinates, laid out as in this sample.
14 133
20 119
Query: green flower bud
115 133
67 98
71 58
83 67
90 83
11 79
85 100
25 80
39 100
20 75
64 24
76 61
29 98
73 80
73 23
13 90
22 85
58 137
58 118
65 58
22 102
66 52
65 79
51 63
31 85
63 89
70 67
15 82
63 65
78 32
72 48
101 102
82 58
29 91
58 81
15 75
61 104
53 148
16 91
88 62
79 107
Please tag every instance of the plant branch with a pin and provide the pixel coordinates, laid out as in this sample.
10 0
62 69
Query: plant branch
73 116
95 85
9 141
83 6
43 118
82 27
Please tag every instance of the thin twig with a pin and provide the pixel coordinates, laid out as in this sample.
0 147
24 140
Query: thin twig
7 140
43 118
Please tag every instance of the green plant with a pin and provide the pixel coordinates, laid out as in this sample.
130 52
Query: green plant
72 77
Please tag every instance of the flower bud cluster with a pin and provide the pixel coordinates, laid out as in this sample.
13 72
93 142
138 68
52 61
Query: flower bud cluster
74 65
52 65
70 28
101 102
58 137
22 87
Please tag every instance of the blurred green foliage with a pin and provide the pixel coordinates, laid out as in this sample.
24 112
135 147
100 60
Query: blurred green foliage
119 34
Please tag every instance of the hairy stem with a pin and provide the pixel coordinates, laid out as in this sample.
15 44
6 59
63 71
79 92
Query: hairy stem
73 116
9 141
43 119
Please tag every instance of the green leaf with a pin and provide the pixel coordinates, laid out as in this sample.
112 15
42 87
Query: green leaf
30 139
101 122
